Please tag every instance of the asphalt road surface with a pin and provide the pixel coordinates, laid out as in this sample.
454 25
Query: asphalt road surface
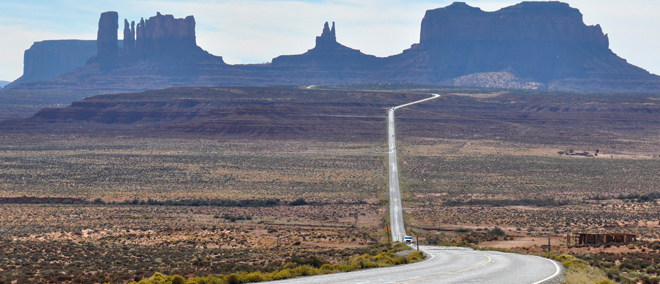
452 265
443 264
398 231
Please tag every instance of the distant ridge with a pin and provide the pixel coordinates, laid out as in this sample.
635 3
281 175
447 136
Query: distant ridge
531 45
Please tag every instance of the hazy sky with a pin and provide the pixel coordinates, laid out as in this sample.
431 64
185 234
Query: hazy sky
255 31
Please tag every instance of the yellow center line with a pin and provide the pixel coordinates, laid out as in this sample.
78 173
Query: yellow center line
450 273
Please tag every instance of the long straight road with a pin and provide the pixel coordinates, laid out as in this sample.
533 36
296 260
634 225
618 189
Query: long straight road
398 229
443 264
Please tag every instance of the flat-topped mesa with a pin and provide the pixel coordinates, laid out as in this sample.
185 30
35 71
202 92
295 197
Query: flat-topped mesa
541 41
48 59
554 22
107 42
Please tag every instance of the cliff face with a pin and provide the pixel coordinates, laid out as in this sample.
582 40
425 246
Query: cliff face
159 39
106 40
47 59
165 35
548 22
539 41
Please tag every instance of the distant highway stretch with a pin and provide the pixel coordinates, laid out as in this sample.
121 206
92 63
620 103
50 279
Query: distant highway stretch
443 264
396 213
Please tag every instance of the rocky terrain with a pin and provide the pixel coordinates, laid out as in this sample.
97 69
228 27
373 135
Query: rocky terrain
539 117
531 45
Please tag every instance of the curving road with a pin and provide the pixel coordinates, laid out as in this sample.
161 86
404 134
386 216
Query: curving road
452 265
443 264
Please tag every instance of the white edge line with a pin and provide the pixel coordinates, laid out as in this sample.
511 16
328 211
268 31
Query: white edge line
428 258
553 275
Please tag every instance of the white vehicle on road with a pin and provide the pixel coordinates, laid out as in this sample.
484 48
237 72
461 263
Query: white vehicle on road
408 240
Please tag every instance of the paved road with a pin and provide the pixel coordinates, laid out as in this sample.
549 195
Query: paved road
452 265
396 213
443 264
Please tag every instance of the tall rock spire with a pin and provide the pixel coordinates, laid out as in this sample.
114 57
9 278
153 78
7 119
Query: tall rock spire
106 40
129 37
328 38
332 31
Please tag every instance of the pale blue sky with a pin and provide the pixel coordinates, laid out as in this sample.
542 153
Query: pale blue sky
255 31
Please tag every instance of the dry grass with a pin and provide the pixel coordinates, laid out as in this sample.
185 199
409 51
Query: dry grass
122 169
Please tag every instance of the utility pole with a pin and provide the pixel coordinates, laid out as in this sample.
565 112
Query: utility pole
387 230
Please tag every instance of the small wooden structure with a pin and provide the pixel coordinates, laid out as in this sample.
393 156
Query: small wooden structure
589 238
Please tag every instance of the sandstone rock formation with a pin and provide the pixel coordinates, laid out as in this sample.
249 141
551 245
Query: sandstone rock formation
159 39
129 38
106 40
46 60
544 42
329 55
540 45
163 35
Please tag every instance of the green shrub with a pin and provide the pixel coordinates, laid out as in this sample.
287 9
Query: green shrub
497 232
283 274
231 279
178 279
374 258
253 277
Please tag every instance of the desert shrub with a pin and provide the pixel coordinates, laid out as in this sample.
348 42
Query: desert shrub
373 257
282 274
298 202
650 270
497 232
231 279
312 261
578 270
178 279
462 230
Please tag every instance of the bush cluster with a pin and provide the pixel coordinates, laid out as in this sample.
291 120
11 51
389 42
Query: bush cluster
205 202
294 268
602 269
550 202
